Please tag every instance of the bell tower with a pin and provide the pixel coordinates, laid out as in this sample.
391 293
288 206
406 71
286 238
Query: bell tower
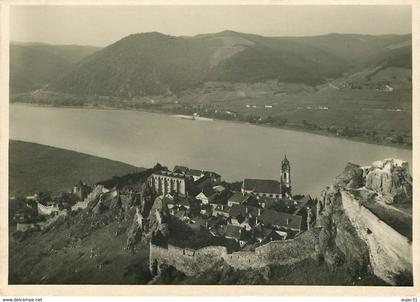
285 182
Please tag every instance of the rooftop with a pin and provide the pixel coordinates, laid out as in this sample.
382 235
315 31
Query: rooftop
233 231
243 211
275 218
262 185
238 197
194 172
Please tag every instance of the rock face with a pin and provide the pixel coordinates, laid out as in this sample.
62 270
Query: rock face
354 218
391 179
339 243
351 177
389 251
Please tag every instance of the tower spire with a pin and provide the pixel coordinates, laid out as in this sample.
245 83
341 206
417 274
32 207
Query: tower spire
285 182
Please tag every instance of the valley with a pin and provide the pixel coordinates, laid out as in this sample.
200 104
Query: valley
357 87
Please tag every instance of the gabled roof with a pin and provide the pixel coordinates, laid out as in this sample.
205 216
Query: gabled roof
180 169
207 192
280 219
244 211
202 182
212 174
262 185
214 221
268 201
238 197
183 202
219 188
194 172
222 208
233 231
245 235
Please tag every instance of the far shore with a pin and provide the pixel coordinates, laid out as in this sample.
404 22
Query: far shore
288 128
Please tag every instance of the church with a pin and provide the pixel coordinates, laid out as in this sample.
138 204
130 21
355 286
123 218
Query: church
268 187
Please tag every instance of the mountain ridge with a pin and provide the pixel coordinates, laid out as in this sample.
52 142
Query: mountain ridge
153 63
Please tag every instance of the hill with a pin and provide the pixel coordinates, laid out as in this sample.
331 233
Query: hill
34 168
33 65
154 63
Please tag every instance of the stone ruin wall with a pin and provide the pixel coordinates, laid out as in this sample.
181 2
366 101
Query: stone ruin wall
191 261
390 252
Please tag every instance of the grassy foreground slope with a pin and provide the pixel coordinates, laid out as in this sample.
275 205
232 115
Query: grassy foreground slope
34 168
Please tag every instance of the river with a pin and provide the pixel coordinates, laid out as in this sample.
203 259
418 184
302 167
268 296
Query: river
234 150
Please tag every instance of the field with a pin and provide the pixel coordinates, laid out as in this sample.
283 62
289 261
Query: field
36 168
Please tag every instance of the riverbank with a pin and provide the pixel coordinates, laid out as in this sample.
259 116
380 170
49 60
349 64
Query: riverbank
286 126
37 168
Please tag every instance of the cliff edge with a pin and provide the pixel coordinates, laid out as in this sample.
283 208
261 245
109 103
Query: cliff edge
376 200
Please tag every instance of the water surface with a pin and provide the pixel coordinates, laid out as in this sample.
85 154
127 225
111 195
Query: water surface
234 150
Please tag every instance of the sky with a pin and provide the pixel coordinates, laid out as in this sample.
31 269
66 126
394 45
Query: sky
103 25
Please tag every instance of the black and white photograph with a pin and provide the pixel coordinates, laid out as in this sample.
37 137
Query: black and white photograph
263 144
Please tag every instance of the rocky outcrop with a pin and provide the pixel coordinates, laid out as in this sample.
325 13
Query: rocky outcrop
351 177
390 252
391 179
338 240
353 218
137 227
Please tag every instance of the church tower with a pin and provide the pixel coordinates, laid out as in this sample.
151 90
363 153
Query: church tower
285 182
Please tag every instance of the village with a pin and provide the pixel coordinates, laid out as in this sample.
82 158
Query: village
254 213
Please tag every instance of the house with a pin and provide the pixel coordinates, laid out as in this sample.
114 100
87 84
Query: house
233 232
206 210
215 177
47 209
221 210
244 211
181 215
267 202
183 203
245 237
238 234
180 169
218 230
279 220
194 174
202 183
26 215
285 204
219 188
81 190
170 203
237 198
264 234
215 222
244 216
